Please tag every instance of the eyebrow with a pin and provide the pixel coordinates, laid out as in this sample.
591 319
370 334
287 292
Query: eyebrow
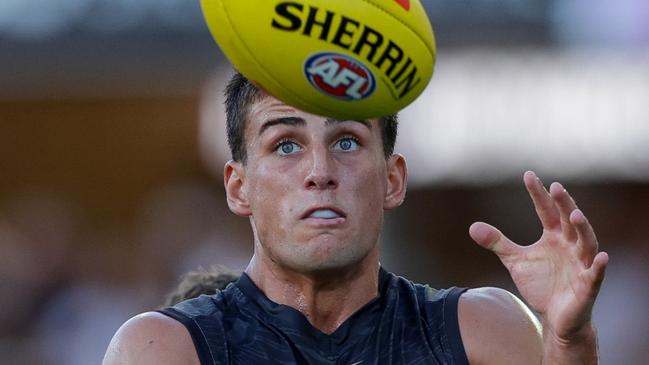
300 122
331 121
281 120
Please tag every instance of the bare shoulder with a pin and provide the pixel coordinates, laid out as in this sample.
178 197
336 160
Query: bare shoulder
498 328
151 338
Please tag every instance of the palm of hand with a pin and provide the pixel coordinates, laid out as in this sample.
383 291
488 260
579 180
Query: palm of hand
559 276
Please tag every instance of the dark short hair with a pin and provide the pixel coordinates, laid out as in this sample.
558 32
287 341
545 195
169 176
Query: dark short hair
241 93
201 281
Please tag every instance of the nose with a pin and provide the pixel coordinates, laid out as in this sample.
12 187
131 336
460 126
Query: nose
321 170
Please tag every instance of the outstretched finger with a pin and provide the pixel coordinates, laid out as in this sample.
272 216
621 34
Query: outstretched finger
597 271
543 203
586 236
565 205
492 239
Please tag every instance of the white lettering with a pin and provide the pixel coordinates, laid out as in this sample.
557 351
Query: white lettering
356 86
334 76
326 70
344 77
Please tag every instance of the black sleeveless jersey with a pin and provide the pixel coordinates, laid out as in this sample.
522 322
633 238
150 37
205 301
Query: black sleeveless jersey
406 323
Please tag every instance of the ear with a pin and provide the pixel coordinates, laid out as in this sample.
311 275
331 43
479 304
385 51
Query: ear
233 179
397 181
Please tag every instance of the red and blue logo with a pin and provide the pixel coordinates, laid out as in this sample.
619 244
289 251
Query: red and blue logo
339 76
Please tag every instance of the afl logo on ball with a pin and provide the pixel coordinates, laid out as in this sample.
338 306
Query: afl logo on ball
339 76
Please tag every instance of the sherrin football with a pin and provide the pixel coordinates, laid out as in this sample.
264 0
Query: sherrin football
348 59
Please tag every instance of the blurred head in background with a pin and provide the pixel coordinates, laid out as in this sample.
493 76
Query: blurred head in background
201 281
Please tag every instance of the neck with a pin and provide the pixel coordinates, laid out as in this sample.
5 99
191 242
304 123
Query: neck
327 299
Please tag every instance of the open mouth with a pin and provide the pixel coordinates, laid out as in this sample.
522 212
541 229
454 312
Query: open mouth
323 213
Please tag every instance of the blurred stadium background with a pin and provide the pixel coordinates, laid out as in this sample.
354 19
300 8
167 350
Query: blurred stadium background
112 145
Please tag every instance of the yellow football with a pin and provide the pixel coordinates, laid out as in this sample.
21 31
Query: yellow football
348 59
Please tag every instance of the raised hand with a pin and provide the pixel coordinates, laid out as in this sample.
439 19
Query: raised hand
559 275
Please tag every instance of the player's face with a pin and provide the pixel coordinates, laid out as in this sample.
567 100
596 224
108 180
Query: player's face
314 187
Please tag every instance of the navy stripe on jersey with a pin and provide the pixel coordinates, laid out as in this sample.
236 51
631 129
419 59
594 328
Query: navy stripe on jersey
406 323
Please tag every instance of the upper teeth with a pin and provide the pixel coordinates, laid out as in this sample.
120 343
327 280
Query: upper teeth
324 214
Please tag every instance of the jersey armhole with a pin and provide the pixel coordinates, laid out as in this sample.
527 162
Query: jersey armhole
452 324
200 343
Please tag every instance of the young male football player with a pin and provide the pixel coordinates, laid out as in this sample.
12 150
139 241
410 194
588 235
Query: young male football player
315 190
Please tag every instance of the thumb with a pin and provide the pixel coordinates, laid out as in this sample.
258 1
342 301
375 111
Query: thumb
492 239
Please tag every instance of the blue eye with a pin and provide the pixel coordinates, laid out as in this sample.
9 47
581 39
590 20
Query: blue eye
287 148
347 144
